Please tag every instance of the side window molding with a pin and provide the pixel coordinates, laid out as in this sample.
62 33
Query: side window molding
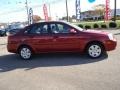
37 29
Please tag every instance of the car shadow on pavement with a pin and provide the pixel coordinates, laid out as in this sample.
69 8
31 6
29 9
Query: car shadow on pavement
12 61
117 34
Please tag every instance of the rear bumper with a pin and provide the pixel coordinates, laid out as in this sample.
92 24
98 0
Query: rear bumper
12 48
110 45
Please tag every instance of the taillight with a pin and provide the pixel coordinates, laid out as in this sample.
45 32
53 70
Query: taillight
10 34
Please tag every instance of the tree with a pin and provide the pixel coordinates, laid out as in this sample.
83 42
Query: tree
73 17
99 9
36 18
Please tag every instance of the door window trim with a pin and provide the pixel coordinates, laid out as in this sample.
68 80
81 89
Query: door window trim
31 26
62 24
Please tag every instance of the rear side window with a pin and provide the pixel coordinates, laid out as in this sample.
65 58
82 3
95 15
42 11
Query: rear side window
38 29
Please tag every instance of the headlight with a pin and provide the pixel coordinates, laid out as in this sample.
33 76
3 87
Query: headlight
111 36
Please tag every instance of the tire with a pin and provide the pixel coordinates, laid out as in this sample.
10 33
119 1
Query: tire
25 53
95 50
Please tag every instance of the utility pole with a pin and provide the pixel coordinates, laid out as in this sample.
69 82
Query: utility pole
67 10
27 10
115 7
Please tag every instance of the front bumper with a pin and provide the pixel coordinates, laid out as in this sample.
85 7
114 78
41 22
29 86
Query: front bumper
110 45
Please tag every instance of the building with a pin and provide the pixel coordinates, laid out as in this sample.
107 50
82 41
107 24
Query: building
97 15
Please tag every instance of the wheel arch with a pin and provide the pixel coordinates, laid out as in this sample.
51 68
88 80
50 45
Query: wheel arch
24 45
94 42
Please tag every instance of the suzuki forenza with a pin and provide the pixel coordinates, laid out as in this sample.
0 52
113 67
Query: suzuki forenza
58 36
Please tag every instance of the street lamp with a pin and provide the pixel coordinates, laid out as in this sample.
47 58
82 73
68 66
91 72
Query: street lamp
115 7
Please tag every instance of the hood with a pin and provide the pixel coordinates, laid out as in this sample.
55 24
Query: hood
96 32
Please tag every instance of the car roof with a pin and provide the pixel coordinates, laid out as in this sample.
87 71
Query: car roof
40 22
52 22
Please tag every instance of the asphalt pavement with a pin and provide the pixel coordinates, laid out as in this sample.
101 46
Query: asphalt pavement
60 71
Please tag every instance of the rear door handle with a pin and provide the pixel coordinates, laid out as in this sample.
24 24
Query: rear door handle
31 36
55 37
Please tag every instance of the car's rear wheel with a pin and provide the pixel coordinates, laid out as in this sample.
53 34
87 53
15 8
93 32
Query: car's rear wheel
25 53
95 50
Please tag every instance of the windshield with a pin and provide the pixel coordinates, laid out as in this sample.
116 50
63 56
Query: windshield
75 26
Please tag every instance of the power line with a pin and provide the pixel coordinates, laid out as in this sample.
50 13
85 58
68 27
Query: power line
10 12
23 9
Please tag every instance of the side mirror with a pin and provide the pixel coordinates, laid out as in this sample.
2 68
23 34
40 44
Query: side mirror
73 31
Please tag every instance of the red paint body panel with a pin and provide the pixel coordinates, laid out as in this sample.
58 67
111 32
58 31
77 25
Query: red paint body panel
59 42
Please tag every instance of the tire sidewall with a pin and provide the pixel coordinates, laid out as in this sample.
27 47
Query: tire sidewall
101 47
22 56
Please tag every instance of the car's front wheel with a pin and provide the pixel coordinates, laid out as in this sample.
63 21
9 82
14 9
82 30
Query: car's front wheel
95 50
25 53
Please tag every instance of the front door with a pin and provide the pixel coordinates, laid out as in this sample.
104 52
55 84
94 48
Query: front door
63 39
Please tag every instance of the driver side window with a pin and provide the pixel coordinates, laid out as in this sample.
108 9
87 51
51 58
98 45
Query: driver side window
63 28
60 28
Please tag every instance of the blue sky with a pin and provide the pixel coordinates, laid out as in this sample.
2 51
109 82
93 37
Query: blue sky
14 10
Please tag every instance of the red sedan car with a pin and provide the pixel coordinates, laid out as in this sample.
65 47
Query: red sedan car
56 36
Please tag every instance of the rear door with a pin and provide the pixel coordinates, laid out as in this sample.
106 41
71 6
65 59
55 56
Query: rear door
39 37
